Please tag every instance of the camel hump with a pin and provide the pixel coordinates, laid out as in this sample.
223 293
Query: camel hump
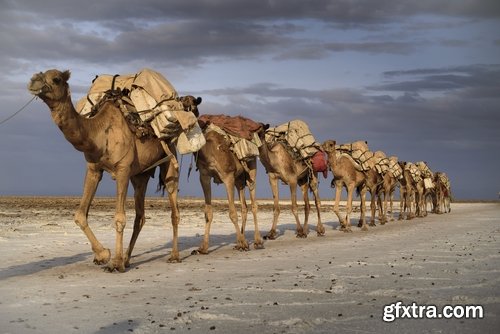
297 135
148 88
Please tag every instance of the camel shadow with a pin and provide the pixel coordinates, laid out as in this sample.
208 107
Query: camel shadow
38 266
187 245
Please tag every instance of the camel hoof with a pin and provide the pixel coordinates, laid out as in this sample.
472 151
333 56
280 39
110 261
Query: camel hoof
174 259
271 235
346 229
102 257
301 235
320 233
199 251
360 224
258 245
364 228
242 248
372 224
116 264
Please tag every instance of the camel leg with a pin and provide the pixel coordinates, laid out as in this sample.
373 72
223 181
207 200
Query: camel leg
382 206
92 179
140 183
207 193
336 210
373 208
299 231
307 208
320 229
362 218
347 222
273 182
258 243
241 243
391 205
402 199
172 185
244 208
409 204
122 180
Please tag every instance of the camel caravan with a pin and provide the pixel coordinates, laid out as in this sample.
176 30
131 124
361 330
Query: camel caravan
132 125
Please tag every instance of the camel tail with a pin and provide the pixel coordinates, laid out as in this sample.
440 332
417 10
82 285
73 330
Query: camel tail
162 184
161 187
358 190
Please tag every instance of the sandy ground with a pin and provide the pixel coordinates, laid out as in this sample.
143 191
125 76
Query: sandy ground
336 283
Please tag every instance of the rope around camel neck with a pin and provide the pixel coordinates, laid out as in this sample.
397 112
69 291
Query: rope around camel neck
17 112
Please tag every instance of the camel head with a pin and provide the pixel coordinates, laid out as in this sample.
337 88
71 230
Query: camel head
329 146
261 132
191 103
50 86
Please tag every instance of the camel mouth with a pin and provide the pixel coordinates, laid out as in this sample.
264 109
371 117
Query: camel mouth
37 85
36 92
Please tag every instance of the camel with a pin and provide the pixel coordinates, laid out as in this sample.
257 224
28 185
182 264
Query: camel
109 145
373 180
215 160
411 193
428 186
345 175
442 193
386 189
281 165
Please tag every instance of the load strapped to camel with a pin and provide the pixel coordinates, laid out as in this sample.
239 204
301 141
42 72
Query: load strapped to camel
414 171
299 139
364 158
395 168
426 173
149 102
443 178
240 132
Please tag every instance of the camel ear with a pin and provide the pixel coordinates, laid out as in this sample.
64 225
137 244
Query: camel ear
65 75
198 100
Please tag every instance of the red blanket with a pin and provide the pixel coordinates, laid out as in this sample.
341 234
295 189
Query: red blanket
319 163
234 125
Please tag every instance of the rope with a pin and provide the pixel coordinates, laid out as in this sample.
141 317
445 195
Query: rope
17 112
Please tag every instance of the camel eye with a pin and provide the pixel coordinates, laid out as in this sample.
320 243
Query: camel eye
57 81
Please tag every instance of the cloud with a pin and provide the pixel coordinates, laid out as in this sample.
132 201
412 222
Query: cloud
475 78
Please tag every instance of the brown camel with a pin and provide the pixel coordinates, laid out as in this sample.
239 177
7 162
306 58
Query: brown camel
215 160
411 191
372 182
109 145
442 193
280 165
345 175
427 185
387 187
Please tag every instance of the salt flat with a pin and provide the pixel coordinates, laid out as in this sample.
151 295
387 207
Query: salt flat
336 283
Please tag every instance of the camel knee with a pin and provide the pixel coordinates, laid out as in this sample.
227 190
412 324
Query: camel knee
233 215
120 221
81 219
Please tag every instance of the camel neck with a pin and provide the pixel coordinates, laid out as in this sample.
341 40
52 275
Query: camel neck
332 159
72 125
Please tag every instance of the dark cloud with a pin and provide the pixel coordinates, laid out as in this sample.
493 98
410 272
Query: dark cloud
338 10
473 77
447 115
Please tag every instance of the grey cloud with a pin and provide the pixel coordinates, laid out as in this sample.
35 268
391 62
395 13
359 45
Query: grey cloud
452 78
327 10
373 47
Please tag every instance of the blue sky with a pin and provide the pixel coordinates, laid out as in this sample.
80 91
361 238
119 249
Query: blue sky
420 80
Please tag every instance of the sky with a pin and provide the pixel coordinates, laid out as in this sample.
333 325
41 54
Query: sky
416 79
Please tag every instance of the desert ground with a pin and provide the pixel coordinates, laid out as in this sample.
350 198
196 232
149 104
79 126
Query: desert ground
336 283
